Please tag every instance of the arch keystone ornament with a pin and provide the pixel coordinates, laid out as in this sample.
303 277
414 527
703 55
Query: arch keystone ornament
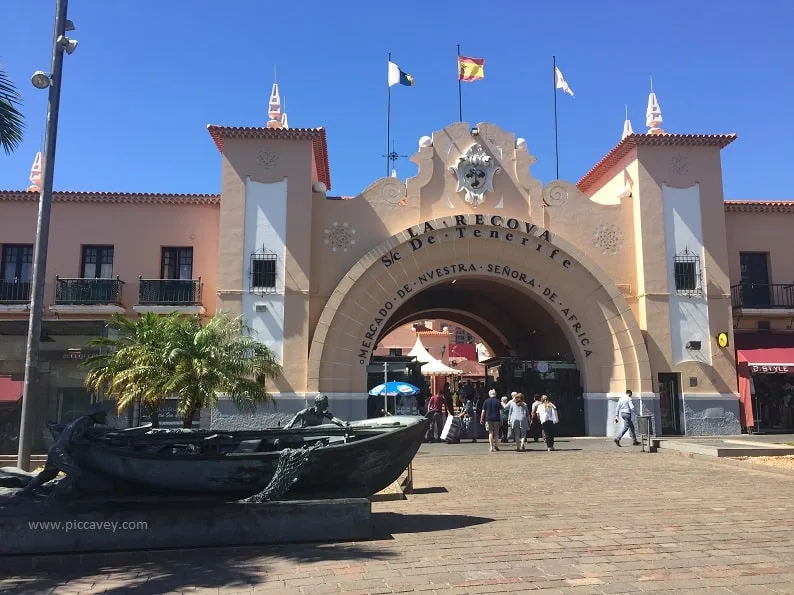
475 170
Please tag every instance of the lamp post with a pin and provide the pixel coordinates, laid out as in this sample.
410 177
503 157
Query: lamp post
40 80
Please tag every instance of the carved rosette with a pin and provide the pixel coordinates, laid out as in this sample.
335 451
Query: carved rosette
474 171
555 195
608 239
266 159
340 237
679 164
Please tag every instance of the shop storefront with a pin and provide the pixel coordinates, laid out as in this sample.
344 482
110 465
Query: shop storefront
60 395
766 388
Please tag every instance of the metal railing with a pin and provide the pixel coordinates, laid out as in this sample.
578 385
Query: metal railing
169 292
762 295
87 292
15 292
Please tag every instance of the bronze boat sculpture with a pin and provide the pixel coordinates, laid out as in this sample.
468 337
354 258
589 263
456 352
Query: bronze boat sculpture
355 460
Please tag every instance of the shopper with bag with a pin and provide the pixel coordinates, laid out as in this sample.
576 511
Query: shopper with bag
547 413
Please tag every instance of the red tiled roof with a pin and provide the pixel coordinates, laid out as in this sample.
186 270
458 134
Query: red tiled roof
759 206
114 197
316 135
628 144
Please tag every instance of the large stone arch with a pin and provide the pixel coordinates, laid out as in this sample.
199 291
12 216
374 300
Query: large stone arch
603 331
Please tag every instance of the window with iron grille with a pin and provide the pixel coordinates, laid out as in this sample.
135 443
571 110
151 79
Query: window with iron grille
686 269
263 270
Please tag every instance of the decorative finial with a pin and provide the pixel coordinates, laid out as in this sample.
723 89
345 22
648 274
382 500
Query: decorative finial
627 130
394 172
274 107
35 174
284 123
653 115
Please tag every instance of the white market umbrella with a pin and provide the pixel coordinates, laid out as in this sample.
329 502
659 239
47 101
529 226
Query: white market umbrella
438 368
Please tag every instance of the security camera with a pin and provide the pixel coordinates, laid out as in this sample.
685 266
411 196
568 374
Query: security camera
475 131
68 45
40 79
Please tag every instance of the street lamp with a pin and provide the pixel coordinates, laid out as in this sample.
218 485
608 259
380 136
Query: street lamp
41 80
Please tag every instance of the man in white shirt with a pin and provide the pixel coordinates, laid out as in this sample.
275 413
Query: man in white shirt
625 410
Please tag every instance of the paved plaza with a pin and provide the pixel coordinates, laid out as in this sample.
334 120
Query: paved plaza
589 518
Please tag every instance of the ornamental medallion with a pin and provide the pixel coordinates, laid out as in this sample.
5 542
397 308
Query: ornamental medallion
475 171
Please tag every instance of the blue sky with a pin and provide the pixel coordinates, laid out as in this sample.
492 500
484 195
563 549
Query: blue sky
149 75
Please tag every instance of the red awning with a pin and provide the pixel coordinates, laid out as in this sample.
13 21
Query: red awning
772 360
10 390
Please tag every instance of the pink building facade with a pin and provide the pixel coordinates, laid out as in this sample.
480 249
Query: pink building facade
640 275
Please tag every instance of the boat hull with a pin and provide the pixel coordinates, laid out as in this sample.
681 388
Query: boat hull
356 469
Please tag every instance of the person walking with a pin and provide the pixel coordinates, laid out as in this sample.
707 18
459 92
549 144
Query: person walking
547 413
534 420
435 411
625 410
518 419
505 415
491 418
469 420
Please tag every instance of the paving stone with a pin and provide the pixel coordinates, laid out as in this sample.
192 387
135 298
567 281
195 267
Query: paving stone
692 526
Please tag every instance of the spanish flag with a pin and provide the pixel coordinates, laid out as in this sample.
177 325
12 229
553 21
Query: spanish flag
471 69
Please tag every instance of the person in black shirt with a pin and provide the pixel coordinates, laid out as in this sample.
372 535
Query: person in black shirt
491 417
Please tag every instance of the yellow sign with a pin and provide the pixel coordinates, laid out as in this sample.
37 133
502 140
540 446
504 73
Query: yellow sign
722 339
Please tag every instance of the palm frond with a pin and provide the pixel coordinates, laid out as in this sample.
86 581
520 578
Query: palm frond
12 123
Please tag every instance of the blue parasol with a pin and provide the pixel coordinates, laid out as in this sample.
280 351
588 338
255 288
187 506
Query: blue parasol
394 389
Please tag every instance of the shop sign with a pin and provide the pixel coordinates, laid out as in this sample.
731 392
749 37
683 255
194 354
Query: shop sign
781 369
168 416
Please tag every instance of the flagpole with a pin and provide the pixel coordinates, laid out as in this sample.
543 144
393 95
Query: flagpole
556 143
460 93
388 124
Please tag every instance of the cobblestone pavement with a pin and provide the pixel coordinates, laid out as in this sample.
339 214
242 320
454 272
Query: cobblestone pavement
584 519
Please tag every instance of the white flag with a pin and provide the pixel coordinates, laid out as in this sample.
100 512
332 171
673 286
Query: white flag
560 82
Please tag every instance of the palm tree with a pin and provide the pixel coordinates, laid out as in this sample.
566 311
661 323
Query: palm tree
219 357
156 358
11 121
133 366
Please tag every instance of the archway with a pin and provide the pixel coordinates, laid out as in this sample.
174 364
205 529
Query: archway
547 272
494 341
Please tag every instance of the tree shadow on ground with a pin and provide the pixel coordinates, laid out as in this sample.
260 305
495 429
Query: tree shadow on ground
154 572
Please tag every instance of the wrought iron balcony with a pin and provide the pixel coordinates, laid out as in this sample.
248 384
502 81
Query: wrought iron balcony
763 295
15 292
169 292
88 292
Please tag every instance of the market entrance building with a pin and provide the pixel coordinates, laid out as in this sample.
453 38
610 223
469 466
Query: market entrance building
620 280
623 275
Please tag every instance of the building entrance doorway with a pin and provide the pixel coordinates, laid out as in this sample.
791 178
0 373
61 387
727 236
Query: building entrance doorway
670 403
559 380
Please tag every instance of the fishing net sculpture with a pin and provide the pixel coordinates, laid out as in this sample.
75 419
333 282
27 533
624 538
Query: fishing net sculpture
291 463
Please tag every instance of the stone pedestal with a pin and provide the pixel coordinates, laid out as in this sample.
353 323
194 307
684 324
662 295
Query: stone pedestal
39 528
